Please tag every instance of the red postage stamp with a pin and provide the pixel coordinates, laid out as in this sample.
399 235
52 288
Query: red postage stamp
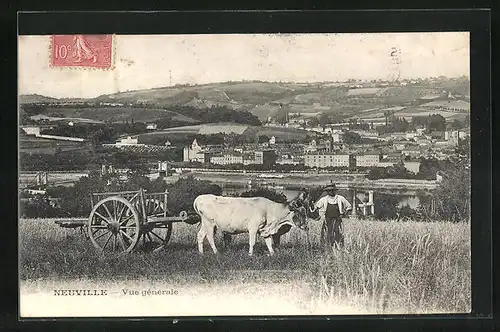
94 51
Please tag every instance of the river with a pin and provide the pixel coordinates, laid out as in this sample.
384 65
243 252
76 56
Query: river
404 199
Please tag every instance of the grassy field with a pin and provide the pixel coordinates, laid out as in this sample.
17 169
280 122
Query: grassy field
386 267
116 114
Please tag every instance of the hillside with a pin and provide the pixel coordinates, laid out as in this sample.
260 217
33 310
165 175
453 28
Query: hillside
35 98
226 128
116 114
265 99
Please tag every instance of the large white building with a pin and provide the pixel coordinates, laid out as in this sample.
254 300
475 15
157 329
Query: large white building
326 160
367 160
227 159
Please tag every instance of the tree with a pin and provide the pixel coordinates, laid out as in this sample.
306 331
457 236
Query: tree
324 120
183 193
451 199
428 168
377 173
352 138
313 122
386 206
419 121
457 124
436 122
271 194
263 139
282 116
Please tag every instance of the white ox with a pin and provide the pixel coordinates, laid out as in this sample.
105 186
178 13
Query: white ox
255 215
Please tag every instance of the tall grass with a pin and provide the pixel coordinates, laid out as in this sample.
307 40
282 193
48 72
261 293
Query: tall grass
400 267
385 267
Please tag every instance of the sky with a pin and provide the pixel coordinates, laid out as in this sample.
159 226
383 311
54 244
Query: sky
150 61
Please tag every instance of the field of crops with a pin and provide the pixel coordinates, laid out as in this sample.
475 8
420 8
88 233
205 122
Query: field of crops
386 267
115 114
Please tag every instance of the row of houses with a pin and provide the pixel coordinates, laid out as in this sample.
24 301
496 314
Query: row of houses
197 153
331 160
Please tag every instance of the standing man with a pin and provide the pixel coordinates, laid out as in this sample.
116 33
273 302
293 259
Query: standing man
331 209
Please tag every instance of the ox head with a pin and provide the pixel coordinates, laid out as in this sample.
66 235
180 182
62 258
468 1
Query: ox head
299 217
299 207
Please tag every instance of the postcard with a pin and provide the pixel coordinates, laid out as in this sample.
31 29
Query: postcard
244 174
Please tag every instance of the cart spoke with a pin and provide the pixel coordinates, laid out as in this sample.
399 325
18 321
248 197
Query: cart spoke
107 210
157 236
122 232
127 219
120 239
149 237
121 212
99 227
114 242
98 237
107 241
115 212
102 217
127 227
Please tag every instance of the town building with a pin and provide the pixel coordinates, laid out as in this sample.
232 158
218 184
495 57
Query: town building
311 147
367 160
371 134
289 161
412 166
437 134
398 136
420 131
412 134
266 158
227 159
337 137
411 151
162 168
327 160
398 146
32 130
454 135
195 153
128 141
151 126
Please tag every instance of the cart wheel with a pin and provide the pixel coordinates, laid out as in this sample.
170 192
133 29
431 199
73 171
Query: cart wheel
114 225
154 237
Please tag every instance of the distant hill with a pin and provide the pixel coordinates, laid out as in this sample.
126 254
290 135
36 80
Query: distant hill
264 99
283 134
117 114
34 98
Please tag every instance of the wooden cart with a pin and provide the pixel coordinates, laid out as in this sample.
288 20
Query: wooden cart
126 220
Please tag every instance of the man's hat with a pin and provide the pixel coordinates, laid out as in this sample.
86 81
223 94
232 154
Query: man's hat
330 187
